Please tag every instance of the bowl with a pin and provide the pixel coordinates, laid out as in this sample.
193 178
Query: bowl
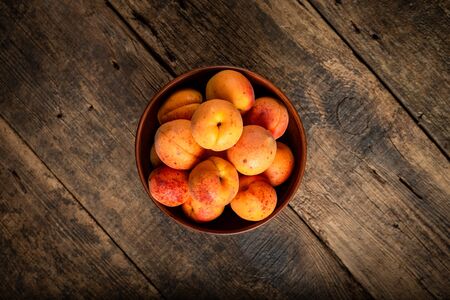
294 137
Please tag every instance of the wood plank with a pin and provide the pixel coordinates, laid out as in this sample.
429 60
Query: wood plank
376 188
406 43
50 246
75 83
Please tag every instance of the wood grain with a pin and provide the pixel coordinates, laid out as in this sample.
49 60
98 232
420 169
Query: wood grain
74 83
406 43
50 246
376 188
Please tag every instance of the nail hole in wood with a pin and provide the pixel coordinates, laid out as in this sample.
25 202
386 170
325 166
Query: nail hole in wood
375 36
59 115
18 180
182 4
355 28
115 65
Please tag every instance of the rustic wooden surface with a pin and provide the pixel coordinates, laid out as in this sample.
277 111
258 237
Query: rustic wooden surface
406 43
371 217
376 188
50 246
82 126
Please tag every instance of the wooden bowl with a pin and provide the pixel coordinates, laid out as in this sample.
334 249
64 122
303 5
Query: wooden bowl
294 137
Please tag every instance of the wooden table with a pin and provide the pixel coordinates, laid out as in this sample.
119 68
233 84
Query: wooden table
370 80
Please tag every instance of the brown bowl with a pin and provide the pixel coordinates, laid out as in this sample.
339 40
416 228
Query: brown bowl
294 137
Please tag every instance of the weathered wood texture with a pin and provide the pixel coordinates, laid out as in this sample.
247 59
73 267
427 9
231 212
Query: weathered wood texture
49 246
407 44
74 82
376 188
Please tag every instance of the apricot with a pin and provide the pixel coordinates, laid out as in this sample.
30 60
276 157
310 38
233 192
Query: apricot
231 86
154 159
254 152
256 198
200 212
180 105
214 182
270 114
216 125
175 145
169 186
281 167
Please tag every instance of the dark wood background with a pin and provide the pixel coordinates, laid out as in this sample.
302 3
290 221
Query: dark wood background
370 80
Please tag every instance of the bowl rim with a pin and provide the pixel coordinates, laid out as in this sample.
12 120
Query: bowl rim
286 101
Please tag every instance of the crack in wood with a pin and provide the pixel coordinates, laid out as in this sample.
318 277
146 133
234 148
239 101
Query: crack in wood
405 183
378 177
395 147
146 23
302 5
18 180
355 28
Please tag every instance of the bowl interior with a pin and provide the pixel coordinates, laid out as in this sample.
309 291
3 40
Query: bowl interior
294 137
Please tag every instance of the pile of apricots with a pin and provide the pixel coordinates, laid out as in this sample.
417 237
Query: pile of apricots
208 154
